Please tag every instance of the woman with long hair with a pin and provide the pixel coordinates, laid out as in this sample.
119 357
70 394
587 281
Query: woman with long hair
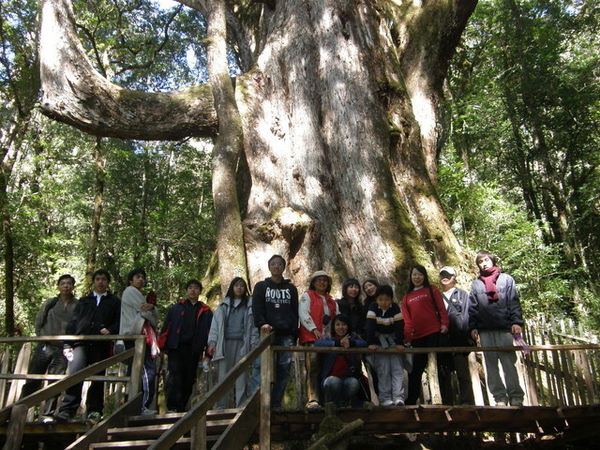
425 324
352 306
232 335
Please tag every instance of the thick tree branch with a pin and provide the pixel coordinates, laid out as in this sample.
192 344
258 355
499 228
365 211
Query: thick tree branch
227 150
74 93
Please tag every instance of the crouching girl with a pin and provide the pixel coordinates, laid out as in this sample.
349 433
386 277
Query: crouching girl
341 373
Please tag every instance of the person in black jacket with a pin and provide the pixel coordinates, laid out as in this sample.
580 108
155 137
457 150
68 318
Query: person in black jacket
275 309
457 305
184 337
352 307
98 313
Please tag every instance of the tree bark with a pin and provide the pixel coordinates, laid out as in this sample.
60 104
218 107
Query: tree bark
100 175
226 152
335 127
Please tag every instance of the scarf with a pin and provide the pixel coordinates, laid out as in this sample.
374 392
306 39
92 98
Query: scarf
489 278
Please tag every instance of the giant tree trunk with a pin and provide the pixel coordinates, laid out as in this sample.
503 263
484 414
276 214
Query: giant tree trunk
338 119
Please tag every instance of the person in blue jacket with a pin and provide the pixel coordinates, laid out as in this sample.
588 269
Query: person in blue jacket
341 373
184 337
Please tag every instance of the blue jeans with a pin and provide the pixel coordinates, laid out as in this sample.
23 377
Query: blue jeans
283 362
340 390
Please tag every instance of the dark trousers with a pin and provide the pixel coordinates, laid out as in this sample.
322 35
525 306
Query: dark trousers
182 366
420 362
46 359
148 375
83 356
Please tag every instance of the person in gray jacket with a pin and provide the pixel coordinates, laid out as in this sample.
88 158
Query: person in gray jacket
232 335
494 318
51 320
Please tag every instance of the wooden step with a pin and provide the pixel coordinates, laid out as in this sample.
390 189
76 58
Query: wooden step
213 427
183 444
173 417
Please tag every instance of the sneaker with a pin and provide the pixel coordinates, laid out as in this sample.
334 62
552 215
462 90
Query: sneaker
47 419
501 403
516 402
399 402
313 404
94 417
387 403
148 412
62 416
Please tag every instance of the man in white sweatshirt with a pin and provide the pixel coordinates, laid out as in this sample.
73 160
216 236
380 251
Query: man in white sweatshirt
135 309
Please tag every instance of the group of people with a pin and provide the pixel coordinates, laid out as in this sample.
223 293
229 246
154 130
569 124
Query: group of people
425 317
192 334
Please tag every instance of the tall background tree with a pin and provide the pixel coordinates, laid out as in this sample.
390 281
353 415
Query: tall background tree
525 89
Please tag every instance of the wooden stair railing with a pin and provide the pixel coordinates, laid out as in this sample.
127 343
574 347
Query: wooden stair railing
196 416
17 412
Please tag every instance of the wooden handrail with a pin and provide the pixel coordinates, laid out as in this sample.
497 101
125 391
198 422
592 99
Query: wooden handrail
58 387
189 420
420 350
18 410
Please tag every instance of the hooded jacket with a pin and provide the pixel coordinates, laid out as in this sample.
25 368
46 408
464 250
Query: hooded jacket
216 337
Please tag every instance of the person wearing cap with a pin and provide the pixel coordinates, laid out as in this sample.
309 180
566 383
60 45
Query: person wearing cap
351 306
275 309
457 306
316 310
494 318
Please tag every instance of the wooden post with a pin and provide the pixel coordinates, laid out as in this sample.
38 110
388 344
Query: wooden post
266 377
475 379
434 381
14 432
21 367
4 369
199 434
136 366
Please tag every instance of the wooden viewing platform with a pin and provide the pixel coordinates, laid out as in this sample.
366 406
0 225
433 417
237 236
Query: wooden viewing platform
562 404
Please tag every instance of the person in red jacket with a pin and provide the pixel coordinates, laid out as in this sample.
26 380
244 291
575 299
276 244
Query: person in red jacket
316 310
425 324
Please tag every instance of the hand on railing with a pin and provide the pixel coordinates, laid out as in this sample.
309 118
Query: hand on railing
521 343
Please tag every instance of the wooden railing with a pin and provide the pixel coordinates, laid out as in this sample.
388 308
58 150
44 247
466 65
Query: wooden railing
195 418
552 374
579 376
17 410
